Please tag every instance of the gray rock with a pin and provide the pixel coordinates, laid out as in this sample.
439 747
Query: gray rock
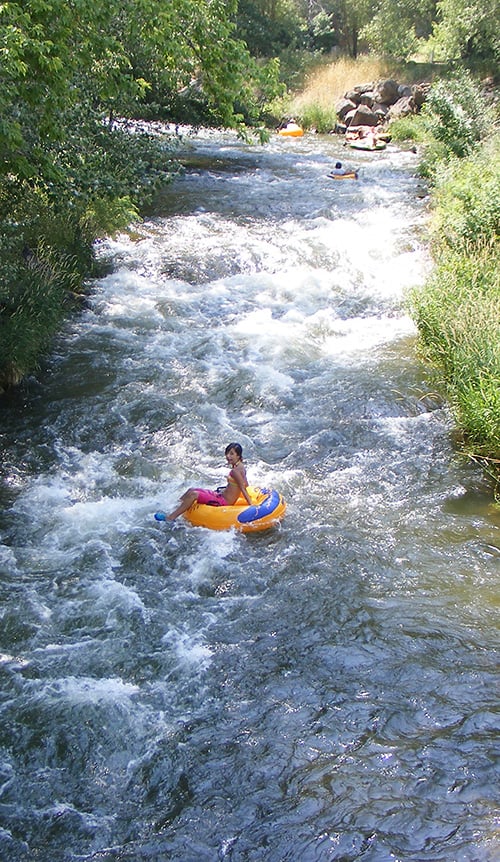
353 96
364 116
387 91
402 108
343 107
404 90
367 98
363 88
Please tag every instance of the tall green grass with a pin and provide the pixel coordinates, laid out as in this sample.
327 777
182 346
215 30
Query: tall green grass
457 312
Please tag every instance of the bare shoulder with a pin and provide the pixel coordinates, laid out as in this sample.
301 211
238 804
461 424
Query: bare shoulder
239 470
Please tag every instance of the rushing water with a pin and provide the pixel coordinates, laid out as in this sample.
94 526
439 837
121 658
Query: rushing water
323 691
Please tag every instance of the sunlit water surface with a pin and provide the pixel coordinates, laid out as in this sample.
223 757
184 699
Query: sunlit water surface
323 691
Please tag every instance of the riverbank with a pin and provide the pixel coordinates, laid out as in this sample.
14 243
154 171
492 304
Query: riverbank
48 234
457 310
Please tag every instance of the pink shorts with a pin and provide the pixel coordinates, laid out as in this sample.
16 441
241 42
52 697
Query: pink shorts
210 498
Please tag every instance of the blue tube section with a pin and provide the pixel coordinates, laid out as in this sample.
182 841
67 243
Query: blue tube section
267 507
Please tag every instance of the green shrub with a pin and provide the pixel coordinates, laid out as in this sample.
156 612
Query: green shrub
48 228
466 199
457 311
32 305
457 115
316 117
410 128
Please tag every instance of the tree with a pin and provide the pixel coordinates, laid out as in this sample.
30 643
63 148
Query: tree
354 15
270 26
468 27
396 25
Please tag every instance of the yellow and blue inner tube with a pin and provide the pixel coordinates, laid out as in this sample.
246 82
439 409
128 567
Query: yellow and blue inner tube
267 509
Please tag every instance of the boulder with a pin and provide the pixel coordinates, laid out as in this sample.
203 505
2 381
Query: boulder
343 107
363 88
364 116
386 91
353 96
402 108
380 110
348 117
404 90
374 103
367 98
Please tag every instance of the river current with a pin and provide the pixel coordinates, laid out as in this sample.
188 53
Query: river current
326 690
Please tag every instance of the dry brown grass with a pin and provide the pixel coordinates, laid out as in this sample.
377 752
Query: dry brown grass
328 83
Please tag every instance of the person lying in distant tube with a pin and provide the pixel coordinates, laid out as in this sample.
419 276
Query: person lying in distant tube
338 170
236 484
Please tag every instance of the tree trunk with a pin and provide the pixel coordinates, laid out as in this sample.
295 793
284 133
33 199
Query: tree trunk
354 42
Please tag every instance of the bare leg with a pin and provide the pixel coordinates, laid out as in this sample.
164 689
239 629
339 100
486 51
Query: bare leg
188 498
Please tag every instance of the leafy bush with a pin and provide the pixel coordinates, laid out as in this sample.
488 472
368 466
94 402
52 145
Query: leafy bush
32 306
458 317
457 311
410 128
47 231
456 114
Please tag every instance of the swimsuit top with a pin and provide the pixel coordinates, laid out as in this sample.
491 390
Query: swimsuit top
232 481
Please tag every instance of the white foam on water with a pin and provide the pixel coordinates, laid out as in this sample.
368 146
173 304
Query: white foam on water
13 662
86 690
357 338
8 563
189 649
402 428
323 332
110 596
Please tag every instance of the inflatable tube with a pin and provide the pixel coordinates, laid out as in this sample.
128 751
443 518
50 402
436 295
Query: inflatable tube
367 144
267 509
348 175
291 130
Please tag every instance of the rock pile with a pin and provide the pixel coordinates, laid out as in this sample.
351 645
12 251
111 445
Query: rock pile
378 102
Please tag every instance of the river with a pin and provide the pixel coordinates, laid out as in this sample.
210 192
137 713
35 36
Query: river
326 690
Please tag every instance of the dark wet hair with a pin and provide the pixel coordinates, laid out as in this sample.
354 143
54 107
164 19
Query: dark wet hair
237 448
338 165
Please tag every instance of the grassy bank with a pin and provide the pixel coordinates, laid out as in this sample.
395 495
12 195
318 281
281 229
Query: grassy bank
457 312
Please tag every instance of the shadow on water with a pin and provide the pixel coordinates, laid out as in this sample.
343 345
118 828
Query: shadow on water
323 691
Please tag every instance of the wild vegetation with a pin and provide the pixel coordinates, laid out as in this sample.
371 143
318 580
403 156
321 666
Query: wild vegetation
457 312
